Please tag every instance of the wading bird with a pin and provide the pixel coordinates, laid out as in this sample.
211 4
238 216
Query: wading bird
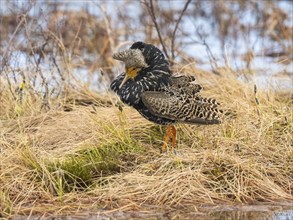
148 86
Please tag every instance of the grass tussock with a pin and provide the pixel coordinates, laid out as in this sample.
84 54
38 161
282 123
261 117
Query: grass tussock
74 158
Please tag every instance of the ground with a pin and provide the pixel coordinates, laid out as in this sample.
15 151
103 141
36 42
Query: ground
84 157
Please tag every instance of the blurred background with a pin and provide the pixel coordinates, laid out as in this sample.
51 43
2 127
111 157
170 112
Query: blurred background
50 47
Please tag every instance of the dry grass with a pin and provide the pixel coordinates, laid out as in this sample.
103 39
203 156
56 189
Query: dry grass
95 157
66 150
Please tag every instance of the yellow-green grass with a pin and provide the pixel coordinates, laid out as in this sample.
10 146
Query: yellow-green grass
91 158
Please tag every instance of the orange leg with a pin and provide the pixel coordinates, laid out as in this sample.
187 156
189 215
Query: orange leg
167 138
173 137
171 130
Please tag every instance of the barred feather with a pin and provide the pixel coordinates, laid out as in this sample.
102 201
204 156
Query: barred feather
181 102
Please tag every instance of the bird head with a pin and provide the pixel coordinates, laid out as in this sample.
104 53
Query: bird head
134 62
139 56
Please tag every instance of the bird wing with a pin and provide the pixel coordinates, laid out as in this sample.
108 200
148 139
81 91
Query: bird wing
182 102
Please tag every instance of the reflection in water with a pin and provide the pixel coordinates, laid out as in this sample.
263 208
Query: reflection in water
257 212
262 214
256 215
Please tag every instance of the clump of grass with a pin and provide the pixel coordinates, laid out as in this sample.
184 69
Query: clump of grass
71 174
5 205
83 160
78 172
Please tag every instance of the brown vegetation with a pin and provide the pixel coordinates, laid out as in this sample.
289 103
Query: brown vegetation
66 148
95 157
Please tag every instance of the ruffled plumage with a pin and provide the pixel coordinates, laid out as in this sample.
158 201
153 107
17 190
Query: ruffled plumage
161 97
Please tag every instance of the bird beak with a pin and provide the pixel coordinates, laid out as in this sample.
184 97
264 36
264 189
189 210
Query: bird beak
130 73
124 80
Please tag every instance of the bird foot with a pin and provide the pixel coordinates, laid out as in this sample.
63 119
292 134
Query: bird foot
167 149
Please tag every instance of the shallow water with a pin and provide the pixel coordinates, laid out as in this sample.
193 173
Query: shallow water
256 213
245 212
